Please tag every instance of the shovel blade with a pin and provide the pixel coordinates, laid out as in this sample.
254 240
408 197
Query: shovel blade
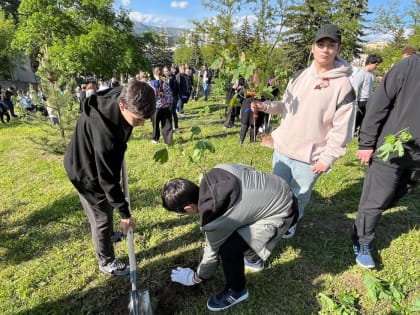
140 303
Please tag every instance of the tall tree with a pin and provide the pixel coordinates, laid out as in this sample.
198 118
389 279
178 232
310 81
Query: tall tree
305 18
244 40
7 28
219 30
389 19
350 15
10 7
302 21
82 35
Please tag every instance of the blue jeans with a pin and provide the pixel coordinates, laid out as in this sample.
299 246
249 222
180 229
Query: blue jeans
206 89
298 175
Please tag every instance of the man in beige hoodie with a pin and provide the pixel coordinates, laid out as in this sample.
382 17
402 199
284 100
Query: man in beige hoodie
318 112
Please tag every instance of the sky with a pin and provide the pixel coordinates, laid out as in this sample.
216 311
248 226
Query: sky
179 13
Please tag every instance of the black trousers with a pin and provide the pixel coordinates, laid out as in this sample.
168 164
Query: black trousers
381 187
232 256
360 114
231 114
162 117
100 217
173 111
234 249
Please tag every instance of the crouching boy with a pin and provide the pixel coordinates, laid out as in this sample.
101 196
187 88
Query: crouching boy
243 213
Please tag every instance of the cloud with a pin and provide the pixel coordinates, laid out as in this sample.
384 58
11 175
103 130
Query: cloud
125 3
148 19
179 4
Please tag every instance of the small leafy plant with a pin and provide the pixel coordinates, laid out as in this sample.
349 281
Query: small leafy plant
393 144
377 289
198 156
346 304
381 290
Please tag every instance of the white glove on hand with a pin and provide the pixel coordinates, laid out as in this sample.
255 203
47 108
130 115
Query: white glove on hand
185 276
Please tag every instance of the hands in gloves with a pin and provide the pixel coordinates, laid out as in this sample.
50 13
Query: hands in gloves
185 276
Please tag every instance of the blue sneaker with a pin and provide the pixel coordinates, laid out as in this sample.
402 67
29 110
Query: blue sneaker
226 299
364 257
356 248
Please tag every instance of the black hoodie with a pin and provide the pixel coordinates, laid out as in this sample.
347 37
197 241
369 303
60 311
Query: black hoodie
394 106
96 151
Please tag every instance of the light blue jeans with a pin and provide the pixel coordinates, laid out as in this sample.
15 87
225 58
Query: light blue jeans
206 89
298 175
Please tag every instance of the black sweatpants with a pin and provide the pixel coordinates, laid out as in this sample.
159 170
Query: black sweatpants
162 117
380 187
100 218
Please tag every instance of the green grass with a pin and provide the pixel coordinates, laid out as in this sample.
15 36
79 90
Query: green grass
47 263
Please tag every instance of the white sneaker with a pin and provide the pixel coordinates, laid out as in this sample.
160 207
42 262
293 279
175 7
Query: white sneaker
115 268
254 267
154 142
290 232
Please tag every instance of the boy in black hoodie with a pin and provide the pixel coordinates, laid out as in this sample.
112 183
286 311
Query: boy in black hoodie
94 159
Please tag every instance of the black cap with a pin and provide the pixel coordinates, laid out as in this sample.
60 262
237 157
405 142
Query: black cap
328 31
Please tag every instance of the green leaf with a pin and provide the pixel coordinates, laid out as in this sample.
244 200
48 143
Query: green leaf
195 130
390 139
415 307
205 145
399 148
384 156
372 284
405 136
161 156
330 302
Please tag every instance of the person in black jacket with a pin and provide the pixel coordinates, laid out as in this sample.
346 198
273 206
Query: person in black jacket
393 107
94 159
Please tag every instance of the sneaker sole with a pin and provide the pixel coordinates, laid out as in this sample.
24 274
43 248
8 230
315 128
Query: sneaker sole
124 272
253 269
241 299
365 266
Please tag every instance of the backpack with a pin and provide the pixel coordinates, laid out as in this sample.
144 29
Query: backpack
163 93
166 94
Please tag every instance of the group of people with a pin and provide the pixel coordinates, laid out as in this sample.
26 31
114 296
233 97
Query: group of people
31 100
244 212
7 108
174 87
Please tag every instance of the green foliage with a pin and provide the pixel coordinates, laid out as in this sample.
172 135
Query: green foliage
394 144
7 29
48 264
198 155
377 289
346 304
392 291
80 36
61 106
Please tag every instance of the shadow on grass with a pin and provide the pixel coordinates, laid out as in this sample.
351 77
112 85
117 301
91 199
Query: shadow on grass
322 241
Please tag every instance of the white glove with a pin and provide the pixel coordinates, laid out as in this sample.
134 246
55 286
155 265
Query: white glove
185 276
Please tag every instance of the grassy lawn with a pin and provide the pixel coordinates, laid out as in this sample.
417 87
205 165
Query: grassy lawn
47 263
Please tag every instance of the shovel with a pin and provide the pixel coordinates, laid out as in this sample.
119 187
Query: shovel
139 300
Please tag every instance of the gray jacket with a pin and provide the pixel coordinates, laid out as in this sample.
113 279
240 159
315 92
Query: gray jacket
257 215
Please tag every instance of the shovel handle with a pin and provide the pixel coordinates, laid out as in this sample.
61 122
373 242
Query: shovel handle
131 254
130 232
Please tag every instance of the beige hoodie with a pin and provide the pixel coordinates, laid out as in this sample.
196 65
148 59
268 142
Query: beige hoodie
318 113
